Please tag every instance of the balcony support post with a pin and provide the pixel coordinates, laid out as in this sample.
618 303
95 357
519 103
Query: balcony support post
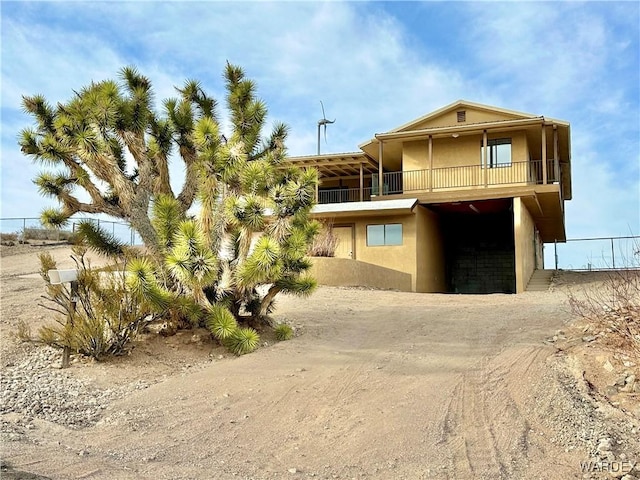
430 163
361 183
556 160
317 195
485 146
380 170
544 153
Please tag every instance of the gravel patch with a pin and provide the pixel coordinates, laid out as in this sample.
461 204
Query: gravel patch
36 387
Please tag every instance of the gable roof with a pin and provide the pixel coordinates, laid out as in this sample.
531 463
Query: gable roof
425 125
462 105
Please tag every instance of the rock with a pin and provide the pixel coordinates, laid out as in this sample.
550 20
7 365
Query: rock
629 477
620 382
605 445
293 470
608 367
588 338
630 379
611 391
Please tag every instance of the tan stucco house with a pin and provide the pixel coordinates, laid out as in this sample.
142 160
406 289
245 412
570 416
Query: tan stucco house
460 200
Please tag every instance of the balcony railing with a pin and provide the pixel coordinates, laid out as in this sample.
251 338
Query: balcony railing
344 195
468 176
449 178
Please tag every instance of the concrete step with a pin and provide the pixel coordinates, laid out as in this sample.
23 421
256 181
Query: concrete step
540 281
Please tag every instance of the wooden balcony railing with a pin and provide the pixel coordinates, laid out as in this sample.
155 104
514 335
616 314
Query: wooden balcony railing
468 176
344 195
448 178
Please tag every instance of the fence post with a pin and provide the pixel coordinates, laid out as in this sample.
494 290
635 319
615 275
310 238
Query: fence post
555 252
613 255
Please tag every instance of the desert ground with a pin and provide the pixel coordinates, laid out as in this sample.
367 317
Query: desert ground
375 385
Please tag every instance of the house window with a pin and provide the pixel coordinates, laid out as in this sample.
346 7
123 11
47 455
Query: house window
390 234
499 152
462 116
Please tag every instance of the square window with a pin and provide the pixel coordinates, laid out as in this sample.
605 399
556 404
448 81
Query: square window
375 235
393 234
379 235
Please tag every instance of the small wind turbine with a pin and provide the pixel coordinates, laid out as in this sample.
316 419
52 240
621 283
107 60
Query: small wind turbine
324 122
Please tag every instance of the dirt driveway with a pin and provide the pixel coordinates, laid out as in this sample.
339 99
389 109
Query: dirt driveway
377 385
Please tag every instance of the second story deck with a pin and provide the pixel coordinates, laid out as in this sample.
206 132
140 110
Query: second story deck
456 178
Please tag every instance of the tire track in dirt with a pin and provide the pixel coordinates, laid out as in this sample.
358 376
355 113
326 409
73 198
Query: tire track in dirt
483 426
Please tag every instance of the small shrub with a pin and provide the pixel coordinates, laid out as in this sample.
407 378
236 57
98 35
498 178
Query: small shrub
107 315
8 237
242 341
613 308
325 243
23 332
284 332
48 234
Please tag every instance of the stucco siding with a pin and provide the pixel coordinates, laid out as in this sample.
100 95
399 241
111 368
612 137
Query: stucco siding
397 257
524 238
344 272
449 119
431 275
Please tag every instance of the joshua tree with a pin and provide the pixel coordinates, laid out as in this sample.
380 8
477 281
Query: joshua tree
248 240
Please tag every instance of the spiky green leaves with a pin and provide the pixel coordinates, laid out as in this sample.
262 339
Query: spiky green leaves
243 341
223 326
52 185
38 106
301 286
166 217
142 282
283 332
221 322
263 264
246 212
52 218
190 260
99 239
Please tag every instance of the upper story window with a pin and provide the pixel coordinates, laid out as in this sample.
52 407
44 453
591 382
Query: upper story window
378 235
498 152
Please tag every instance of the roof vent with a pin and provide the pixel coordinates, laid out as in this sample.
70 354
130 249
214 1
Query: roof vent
462 116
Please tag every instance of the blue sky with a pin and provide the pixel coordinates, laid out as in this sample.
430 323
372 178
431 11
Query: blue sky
375 66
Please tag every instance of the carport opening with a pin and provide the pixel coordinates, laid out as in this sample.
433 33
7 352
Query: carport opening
479 246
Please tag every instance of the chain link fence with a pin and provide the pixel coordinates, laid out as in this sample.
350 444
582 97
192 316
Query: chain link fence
600 253
24 229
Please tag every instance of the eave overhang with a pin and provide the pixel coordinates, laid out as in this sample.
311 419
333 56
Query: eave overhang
402 206
338 164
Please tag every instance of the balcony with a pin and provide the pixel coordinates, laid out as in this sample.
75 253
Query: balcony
343 195
448 178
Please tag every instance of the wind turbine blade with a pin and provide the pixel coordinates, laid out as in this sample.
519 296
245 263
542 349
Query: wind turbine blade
323 115
325 133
